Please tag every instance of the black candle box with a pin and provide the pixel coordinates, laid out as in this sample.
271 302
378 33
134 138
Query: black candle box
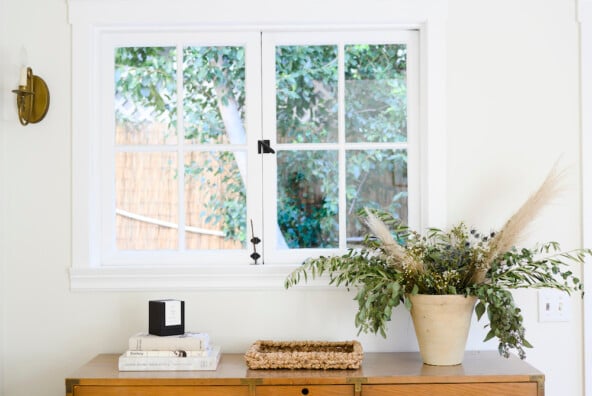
166 317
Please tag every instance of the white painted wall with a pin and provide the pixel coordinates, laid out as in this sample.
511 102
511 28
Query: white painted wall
512 111
2 247
3 125
585 19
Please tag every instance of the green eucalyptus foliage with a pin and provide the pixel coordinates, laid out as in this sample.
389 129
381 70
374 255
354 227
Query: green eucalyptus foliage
544 266
380 287
450 260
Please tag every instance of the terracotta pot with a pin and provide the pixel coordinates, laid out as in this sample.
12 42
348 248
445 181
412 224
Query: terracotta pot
442 325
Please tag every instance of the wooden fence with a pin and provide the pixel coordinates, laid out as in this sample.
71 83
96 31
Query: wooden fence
147 192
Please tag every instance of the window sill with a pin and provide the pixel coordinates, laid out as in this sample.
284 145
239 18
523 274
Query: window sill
244 277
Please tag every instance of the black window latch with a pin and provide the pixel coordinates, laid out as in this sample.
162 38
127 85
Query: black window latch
255 241
263 146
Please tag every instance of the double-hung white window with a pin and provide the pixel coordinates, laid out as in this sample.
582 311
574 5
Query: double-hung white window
210 157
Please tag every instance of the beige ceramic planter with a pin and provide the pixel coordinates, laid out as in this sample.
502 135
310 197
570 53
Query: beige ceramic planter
442 326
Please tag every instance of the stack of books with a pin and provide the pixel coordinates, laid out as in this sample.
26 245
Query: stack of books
185 352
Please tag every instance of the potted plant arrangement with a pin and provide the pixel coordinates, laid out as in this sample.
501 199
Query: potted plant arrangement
396 265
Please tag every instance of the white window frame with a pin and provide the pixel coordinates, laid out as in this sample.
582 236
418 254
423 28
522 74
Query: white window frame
92 19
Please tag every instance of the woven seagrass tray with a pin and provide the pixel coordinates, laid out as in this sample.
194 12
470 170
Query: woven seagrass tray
320 355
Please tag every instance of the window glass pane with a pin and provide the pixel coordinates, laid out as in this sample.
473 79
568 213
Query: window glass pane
308 198
145 95
215 199
306 94
146 201
375 179
376 93
214 94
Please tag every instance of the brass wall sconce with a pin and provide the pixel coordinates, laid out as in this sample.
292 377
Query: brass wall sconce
32 97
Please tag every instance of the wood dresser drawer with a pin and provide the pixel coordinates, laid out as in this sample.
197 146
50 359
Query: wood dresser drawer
477 389
305 390
169 390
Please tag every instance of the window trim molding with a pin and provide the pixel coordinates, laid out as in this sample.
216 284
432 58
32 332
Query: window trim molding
89 18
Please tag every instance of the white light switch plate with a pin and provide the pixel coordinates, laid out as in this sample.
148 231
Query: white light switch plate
554 306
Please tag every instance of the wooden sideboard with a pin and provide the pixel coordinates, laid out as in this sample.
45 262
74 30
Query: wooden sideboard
382 374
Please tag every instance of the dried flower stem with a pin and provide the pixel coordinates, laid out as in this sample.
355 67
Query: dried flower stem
399 256
515 226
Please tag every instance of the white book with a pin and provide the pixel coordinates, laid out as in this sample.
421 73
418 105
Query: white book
175 353
163 363
185 342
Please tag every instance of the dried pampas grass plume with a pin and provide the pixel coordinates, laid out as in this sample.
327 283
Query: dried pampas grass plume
509 235
397 253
